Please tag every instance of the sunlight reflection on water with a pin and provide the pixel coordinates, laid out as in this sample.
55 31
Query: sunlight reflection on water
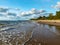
17 34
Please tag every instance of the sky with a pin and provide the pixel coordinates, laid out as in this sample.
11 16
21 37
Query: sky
27 9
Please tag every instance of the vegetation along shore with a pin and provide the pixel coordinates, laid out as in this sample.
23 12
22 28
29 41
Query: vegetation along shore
50 19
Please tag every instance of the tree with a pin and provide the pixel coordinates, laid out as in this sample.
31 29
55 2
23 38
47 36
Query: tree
58 14
50 16
43 17
39 17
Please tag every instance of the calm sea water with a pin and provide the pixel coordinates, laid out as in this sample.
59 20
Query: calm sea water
16 32
28 33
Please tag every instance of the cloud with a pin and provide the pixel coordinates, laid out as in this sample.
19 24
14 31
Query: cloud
15 9
3 9
57 6
33 11
6 9
6 15
9 14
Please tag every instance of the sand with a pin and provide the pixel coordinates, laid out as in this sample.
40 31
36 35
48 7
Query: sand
51 22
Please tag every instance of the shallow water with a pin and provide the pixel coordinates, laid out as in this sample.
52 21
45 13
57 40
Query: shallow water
45 34
29 33
16 34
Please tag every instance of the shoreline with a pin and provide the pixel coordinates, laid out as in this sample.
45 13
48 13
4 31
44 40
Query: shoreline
50 22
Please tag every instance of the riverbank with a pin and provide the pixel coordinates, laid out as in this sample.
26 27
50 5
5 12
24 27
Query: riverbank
50 22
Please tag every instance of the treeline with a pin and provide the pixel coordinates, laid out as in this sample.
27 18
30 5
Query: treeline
49 17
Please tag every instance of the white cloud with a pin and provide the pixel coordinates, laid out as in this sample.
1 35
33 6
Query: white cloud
8 14
32 12
11 14
3 9
15 9
57 6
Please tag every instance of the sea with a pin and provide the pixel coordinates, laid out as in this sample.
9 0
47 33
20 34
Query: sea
28 33
16 32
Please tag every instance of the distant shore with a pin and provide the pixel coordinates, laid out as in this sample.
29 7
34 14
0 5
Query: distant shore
50 22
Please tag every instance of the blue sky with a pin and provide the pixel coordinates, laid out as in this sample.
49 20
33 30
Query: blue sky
26 9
